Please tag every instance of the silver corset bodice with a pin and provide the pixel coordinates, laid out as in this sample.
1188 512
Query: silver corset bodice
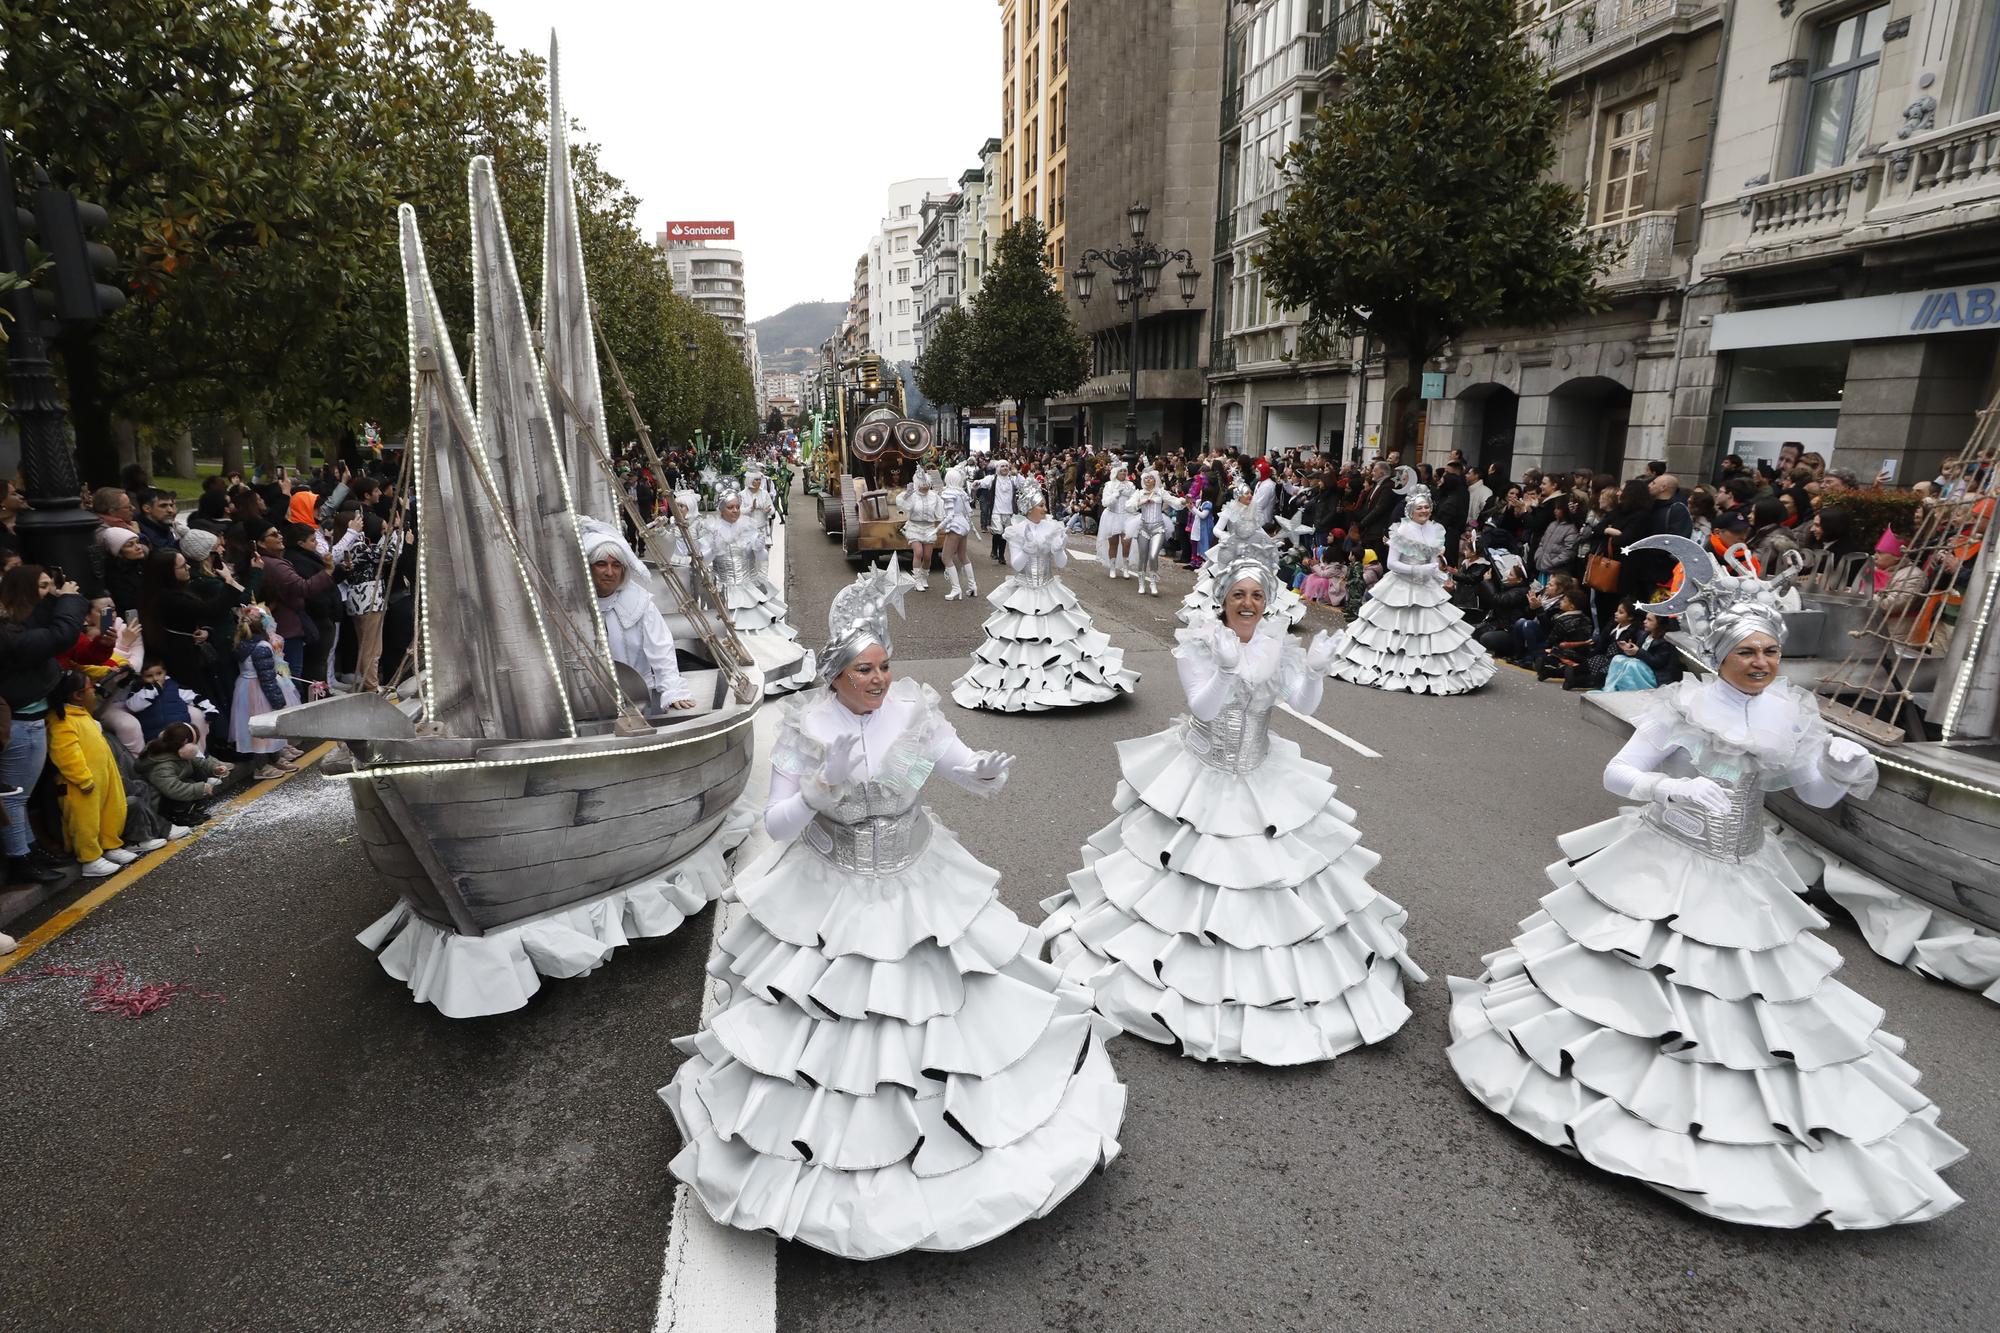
877 829
1236 739
730 565
1040 569
1730 836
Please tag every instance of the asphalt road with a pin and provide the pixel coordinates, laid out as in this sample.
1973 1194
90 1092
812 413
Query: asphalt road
294 1144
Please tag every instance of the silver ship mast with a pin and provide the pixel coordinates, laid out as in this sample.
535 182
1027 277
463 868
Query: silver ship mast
516 430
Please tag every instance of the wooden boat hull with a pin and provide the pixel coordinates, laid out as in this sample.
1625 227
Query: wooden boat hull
484 849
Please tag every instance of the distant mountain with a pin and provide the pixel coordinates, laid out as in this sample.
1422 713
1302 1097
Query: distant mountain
807 325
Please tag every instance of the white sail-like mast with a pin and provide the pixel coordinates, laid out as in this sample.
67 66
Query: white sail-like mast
516 430
489 669
568 347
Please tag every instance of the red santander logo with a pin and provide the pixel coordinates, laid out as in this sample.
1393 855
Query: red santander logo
701 231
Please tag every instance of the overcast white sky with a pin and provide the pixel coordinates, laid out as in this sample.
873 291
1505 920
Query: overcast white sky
790 117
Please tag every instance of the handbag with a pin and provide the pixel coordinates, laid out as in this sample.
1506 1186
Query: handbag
1601 573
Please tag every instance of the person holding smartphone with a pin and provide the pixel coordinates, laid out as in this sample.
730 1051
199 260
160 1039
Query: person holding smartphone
39 619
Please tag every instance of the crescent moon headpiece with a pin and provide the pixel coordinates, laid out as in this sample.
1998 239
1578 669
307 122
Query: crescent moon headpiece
1722 605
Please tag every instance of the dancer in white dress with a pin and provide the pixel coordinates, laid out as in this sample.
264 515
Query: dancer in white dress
924 510
1152 509
759 504
1227 908
953 528
1408 635
894 1068
1041 649
1003 483
1117 523
733 546
1669 1014
1198 607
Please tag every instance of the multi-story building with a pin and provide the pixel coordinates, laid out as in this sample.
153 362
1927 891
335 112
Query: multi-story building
892 280
978 212
711 277
1032 179
1807 197
856 327
1147 79
1849 238
938 269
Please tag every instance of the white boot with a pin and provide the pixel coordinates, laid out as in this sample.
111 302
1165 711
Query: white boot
924 579
971 580
951 577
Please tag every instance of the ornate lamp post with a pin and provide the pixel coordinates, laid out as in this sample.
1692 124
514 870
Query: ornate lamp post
1135 278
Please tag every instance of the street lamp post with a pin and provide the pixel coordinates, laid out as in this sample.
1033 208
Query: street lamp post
1135 278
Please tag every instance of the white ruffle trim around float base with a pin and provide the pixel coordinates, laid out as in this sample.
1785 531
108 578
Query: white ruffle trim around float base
1903 929
477 976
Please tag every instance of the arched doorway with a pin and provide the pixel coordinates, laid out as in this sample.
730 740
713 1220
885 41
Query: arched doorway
1487 416
1588 422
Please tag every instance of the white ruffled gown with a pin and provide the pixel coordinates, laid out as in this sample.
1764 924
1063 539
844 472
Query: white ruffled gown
1227 908
895 1068
734 552
1198 607
1041 648
1408 635
1669 1015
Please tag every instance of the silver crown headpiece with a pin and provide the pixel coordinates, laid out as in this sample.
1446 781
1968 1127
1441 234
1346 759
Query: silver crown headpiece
1241 555
859 616
1026 496
1721 605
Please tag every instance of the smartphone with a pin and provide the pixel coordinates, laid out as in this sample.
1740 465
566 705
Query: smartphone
1889 468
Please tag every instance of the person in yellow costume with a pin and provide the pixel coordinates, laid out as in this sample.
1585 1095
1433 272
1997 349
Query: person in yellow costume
93 795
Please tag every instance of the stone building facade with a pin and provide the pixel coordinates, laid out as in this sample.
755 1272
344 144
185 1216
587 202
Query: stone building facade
1146 77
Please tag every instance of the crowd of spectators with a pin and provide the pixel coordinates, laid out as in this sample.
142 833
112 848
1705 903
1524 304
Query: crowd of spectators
127 687
1541 563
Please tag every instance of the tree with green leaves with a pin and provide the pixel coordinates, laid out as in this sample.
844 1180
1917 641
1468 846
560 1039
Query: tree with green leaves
942 373
1422 205
1021 342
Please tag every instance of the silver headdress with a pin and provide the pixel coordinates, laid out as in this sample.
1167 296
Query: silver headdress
1243 555
727 489
859 617
1722 607
1026 496
1414 492
690 500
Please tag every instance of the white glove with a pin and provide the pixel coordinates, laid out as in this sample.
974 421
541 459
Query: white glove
991 765
146 695
1706 793
1320 654
842 762
1848 759
1228 651
208 708
1439 573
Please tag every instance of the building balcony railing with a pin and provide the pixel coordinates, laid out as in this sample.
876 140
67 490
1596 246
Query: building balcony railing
1821 205
1232 106
1941 168
1576 33
1647 242
1225 230
1221 357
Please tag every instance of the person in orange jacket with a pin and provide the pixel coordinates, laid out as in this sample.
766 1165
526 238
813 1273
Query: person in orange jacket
93 795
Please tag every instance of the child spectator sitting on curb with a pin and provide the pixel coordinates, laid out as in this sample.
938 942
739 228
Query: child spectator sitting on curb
93 795
159 701
175 767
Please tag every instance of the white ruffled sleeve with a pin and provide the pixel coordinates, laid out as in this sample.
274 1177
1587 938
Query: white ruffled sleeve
795 758
1303 686
1203 680
1397 563
1634 772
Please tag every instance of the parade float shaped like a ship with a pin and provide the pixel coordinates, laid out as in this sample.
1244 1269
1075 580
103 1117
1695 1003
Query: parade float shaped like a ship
1915 676
530 807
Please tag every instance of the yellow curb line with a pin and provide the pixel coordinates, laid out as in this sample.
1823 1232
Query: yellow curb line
58 925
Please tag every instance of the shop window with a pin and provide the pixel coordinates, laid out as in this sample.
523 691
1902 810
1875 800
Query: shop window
1232 426
1846 68
1628 162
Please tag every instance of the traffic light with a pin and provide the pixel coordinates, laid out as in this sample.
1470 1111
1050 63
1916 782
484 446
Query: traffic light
66 224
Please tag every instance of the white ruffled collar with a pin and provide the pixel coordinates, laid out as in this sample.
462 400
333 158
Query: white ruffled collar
629 606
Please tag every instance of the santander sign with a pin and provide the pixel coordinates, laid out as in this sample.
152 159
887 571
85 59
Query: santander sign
701 231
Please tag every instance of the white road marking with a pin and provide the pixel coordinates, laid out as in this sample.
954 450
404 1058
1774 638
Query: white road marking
1339 735
719 1279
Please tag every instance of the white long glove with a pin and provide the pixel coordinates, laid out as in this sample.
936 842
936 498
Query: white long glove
843 761
1847 759
991 765
1321 652
1705 793
1228 651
